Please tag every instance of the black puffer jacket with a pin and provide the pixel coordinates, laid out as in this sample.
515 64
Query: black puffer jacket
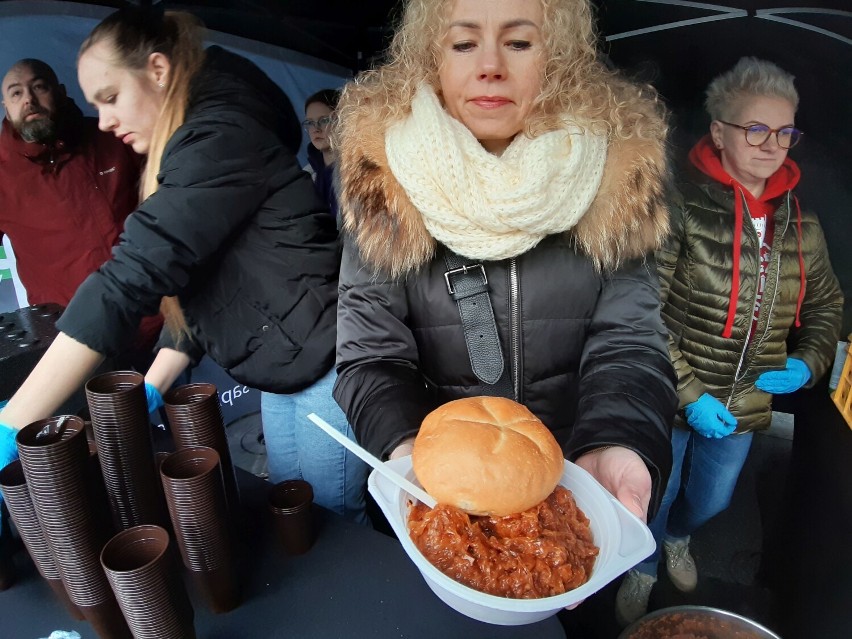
236 231
578 315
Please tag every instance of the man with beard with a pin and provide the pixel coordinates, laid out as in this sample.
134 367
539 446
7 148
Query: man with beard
65 190
65 187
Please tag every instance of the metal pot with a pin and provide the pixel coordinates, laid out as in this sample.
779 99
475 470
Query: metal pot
698 621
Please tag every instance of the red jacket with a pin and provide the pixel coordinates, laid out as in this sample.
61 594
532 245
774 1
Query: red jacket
63 205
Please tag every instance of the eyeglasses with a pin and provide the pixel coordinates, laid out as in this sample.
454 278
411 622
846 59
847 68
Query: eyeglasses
319 125
757 134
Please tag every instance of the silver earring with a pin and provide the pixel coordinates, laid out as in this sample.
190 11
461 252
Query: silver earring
162 85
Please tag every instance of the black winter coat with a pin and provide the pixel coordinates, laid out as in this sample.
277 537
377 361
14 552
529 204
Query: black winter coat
236 231
587 345
587 351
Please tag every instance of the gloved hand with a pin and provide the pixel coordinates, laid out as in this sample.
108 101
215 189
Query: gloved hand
155 400
709 417
8 448
795 375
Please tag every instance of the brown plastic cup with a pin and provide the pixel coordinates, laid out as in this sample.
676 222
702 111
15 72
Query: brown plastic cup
13 484
61 593
107 620
195 418
159 458
146 584
122 432
54 456
192 483
14 487
220 588
290 503
195 495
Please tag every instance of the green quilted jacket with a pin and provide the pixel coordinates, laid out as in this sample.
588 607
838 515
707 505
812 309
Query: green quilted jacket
695 265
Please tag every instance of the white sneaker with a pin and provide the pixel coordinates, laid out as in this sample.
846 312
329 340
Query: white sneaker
680 565
631 601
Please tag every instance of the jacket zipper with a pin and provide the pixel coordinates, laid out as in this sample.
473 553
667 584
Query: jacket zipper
777 256
515 328
753 302
774 295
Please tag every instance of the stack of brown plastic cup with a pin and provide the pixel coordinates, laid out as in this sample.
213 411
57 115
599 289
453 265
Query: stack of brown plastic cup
149 590
14 487
290 504
192 482
54 455
196 420
122 431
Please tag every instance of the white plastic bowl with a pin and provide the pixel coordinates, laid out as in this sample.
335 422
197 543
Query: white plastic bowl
622 538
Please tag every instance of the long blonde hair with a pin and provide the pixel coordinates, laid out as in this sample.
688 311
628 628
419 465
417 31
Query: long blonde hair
133 35
576 85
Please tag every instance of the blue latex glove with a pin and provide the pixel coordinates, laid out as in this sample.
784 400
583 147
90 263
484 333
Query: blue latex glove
155 400
8 448
709 417
795 375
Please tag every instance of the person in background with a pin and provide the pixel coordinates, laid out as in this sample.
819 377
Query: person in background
318 123
66 189
230 239
750 300
495 138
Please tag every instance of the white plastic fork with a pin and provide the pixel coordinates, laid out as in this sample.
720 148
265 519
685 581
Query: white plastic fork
409 487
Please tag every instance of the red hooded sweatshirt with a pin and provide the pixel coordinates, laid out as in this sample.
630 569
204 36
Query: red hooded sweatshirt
707 159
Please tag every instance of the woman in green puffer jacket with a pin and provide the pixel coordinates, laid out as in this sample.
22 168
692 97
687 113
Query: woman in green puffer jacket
751 303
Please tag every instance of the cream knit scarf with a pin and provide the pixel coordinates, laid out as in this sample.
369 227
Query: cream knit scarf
487 207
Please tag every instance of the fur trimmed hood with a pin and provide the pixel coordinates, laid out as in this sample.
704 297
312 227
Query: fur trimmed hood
627 219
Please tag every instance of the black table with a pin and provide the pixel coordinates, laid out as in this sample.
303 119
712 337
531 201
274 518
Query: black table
354 582
808 554
25 335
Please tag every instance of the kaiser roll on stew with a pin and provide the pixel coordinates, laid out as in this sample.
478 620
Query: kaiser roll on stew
486 456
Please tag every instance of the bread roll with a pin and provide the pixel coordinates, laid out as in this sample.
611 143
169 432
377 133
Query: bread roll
487 456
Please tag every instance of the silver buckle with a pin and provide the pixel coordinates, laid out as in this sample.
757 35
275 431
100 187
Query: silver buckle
463 269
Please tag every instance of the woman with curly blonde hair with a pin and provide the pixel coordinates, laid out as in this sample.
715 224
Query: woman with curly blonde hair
575 83
501 192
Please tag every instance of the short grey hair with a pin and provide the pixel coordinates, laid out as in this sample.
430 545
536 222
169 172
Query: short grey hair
750 77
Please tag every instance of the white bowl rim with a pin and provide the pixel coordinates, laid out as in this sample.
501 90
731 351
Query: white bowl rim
598 580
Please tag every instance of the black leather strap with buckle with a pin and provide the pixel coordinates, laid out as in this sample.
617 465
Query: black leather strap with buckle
467 284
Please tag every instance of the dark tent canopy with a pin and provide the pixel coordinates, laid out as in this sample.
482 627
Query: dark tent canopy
677 45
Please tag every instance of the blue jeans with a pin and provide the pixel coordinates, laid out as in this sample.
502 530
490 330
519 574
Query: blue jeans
298 449
704 475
